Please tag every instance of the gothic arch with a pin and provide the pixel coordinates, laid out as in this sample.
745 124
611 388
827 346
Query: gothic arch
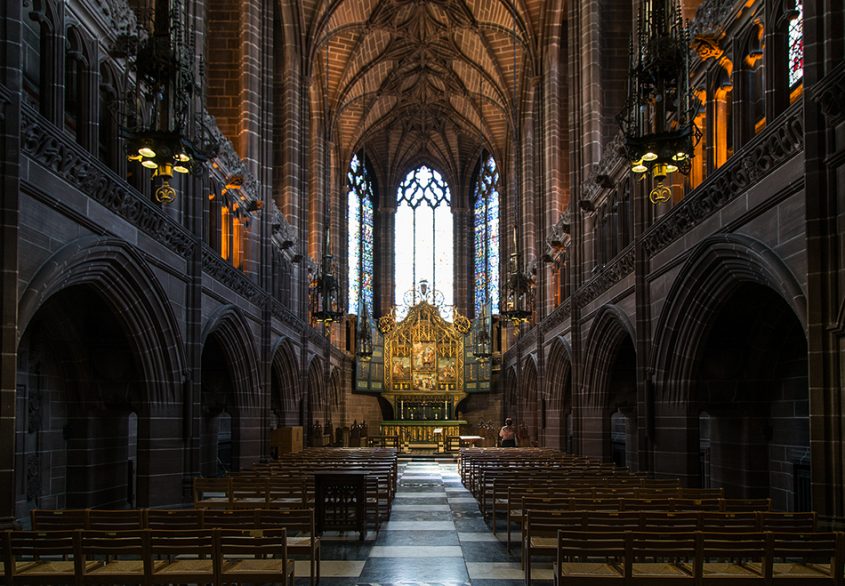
285 373
116 271
712 272
558 371
610 329
230 327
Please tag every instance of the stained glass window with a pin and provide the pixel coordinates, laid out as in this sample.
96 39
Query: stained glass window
796 45
424 238
360 229
486 236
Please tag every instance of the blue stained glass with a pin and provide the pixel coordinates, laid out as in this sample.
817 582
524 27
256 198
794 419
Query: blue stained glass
486 236
360 237
796 45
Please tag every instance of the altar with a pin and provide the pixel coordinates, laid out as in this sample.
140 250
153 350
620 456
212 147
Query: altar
424 358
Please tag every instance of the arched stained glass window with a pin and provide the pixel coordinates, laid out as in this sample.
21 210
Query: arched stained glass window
486 236
360 230
795 39
424 238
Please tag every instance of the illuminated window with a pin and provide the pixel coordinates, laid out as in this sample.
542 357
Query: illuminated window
486 236
360 230
423 236
796 45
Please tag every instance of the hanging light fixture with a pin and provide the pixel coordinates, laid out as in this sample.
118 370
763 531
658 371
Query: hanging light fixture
161 134
482 347
658 119
326 304
517 300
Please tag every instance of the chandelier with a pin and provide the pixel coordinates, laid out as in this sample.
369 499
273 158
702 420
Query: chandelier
517 300
162 134
658 119
326 303
482 347
364 337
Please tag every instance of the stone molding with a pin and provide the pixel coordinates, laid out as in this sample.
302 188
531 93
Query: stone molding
710 18
286 316
829 94
47 145
778 143
612 273
228 275
560 314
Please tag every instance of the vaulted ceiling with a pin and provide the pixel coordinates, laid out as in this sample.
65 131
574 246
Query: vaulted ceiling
421 80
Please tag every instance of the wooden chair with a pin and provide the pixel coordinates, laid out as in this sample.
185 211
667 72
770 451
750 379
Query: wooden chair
116 520
286 492
119 556
731 559
655 558
256 556
188 556
302 537
248 492
230 519
740 505
212 493
728 522
540 531
174 519
49 519
589 559
805 559
43 557
804 522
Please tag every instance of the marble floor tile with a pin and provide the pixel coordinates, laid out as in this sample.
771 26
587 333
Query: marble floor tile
420 494
331 569
421 507
462 500
414 570
469 536
418 538
495 570
481 551
419 526
415 551
421 516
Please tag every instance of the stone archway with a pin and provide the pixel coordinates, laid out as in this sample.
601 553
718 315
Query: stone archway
99 355
230 437
528 424
559 432
610 389
284 385
731 352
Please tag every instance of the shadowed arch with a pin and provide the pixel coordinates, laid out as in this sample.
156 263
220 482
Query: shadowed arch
286 393
232 330
610 329
714 270
558 371
122 277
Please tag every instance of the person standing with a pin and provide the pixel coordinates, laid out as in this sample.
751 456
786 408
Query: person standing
508 434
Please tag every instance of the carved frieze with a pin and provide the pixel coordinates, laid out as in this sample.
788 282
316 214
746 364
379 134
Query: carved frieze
286 316
774 146
49 147
228 275
611 274
560 314
710 18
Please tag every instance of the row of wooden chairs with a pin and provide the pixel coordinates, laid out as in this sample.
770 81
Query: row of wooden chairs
517 507
540 526
146 556
302 539
698 559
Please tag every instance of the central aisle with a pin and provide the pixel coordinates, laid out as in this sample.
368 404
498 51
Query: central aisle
435 535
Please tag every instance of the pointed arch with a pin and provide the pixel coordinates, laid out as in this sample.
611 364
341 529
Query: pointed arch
715 269
610 329
285 391
230 327
558 372
119 273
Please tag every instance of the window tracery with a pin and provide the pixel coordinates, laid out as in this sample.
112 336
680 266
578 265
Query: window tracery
360 236
486 236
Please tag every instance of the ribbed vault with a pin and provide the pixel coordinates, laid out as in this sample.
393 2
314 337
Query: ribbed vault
421 80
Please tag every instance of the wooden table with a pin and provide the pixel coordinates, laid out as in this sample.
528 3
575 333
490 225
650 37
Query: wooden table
470 440
340 501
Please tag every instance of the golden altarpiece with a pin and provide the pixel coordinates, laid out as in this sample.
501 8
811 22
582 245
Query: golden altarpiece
424 372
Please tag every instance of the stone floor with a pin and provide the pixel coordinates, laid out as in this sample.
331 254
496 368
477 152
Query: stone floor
435 535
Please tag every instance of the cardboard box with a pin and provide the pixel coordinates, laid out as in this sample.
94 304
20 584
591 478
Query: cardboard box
286 440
